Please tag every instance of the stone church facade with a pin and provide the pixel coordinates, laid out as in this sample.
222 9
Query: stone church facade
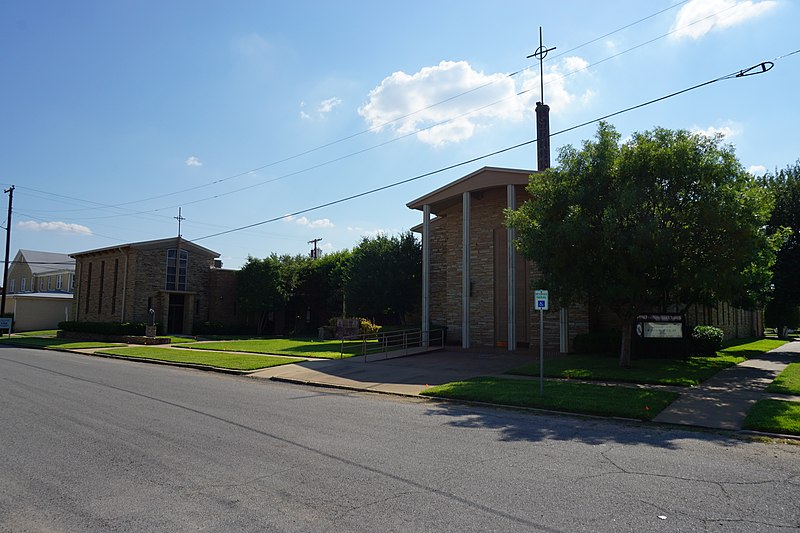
122 283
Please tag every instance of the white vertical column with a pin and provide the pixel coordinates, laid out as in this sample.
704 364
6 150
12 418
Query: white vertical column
465 276
563 330
426 273
512 274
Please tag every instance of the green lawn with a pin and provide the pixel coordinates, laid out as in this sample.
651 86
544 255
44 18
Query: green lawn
40 333
788 382
683 372
775 416
329 349
55 343
215 359
180 340
560 396
750 347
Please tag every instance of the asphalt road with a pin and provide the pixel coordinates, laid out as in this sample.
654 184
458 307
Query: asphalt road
90 444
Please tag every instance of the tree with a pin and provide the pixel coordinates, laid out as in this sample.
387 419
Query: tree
668 217
261 287
321 287
384 277
783 311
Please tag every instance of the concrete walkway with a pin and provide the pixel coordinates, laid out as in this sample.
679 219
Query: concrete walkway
405 375
722 402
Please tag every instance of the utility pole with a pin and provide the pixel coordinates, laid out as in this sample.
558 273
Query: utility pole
314 249
10 192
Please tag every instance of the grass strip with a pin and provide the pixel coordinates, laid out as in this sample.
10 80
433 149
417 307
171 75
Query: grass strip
581 398
281 346
39 333
55 343
788 382
216 359
774 416
682 372
750 348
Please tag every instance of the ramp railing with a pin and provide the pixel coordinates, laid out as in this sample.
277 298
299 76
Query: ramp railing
391 344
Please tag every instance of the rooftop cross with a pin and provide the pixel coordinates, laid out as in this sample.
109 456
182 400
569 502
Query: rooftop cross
540 54
179 218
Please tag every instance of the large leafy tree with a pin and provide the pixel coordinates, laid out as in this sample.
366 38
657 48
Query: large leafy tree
384 277
264 286
321 285
667 217
783 311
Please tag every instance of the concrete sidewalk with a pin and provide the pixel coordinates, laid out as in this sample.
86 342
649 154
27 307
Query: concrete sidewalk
404 375
723 401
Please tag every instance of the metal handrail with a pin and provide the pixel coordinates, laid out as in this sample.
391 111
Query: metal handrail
394 341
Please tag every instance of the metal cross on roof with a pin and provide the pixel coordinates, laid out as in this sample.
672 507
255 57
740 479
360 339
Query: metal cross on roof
179 218
540 54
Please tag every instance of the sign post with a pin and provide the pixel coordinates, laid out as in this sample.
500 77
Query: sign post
542 303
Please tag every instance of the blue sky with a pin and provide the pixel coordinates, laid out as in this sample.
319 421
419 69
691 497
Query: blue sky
115 114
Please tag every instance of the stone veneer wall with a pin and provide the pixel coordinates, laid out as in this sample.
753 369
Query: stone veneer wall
446 275
146 282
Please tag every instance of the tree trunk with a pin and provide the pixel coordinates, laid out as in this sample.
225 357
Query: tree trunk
625 348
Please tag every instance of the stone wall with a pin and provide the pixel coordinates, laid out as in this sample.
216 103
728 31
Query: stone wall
486 216
123 284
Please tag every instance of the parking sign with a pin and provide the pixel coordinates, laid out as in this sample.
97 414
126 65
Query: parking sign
541 300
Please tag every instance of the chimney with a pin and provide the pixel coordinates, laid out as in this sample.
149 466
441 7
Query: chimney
543 136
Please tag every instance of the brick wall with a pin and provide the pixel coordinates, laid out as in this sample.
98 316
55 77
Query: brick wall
101 282
486 215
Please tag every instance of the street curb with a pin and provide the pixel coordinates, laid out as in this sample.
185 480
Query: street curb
663 425
142 360
454 400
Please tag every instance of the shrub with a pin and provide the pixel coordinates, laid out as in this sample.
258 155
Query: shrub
218 328
600 342
706 340
104 328
365 327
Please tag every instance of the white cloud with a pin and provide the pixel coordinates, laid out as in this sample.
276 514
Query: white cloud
372 232
727 131
320 223
193 161
699 17
424 102
303 221
58 227
757 170
323 108
326 106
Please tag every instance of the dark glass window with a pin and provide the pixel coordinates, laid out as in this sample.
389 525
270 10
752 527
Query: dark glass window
184 261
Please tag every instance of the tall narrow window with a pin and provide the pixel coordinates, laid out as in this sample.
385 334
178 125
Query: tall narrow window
49 282
114 287
102 283
181 270
88 287
58 282
22 285
11 286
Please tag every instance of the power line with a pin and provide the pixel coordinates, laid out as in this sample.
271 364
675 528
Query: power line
384 124
766 66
